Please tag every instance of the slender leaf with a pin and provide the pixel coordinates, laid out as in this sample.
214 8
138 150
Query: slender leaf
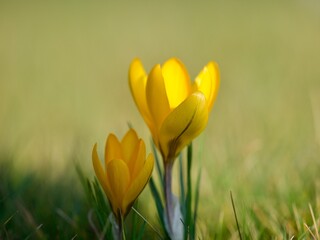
97 200
196 204
134 221
141 232
189 193
101 200
159 205
90 192
157 199
158 164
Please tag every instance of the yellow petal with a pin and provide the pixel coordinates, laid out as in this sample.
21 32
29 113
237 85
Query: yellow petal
119 179
112 149
101 175
137 83
183 124
138 183
128 145
208 82
157 97
138 160
177 82
97 166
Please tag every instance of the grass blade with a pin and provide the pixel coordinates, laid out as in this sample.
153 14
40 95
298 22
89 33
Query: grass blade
196 204
235 215
310 231
314 222
146 221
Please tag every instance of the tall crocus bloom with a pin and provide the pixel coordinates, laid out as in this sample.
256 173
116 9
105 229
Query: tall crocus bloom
126 171
175 109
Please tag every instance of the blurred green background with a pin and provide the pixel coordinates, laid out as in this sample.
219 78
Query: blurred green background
64 86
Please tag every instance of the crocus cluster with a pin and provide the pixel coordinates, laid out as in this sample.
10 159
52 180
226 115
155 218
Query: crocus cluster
176 110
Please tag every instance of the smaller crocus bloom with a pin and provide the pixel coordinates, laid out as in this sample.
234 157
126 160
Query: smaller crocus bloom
174 108
126 172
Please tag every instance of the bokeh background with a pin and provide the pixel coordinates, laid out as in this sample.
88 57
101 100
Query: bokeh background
64 86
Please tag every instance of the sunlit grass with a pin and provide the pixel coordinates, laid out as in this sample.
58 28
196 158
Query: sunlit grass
63 87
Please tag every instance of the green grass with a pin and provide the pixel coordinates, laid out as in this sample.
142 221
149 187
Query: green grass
31 207
63 87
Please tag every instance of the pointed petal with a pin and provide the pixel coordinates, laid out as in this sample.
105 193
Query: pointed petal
101 175
137 83
112 149
138 183
136 71
119 179
208 82
183 124
177 81
129 145
97 166
157 97
139 159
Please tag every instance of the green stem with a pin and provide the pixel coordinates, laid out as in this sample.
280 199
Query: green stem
123 234
120 233
168 194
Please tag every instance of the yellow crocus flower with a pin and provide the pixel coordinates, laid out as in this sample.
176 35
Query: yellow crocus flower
126 172
175 109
